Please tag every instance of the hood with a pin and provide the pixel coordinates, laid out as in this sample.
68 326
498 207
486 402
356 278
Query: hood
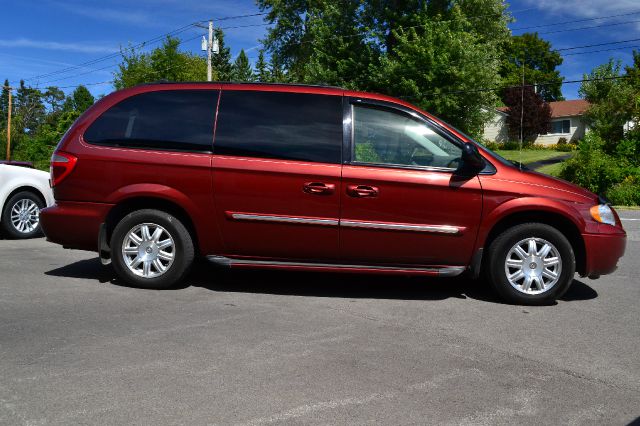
552 187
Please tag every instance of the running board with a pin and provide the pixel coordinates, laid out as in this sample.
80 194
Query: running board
443 271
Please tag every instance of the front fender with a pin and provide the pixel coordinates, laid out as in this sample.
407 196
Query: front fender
494 214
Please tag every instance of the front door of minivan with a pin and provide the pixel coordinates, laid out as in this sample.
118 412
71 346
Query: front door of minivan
402 202
276 174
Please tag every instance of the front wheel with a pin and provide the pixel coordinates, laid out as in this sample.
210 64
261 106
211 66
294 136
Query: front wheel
531 264
151 249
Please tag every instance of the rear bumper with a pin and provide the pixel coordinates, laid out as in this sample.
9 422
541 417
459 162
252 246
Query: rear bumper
74 225
603 252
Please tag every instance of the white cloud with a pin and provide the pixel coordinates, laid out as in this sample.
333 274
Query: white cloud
85 47
124 16
586 9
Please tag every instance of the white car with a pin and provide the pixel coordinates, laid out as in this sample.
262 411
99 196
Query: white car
23 192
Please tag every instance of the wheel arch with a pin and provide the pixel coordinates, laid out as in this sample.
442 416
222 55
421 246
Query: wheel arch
25 188
557 220
129 205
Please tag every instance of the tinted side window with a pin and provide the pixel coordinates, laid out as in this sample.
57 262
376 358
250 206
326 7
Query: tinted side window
290 126
171 119
382 136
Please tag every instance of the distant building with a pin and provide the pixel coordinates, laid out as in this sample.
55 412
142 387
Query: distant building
566 122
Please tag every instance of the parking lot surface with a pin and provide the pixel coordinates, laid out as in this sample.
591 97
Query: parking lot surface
254 348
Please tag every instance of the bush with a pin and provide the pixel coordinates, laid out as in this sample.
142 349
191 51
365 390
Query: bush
562 141
626 193
567 147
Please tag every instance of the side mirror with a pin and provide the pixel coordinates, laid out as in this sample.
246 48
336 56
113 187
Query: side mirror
471 158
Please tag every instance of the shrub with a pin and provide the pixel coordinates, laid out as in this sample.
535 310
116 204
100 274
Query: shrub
626 193
591 168
562 141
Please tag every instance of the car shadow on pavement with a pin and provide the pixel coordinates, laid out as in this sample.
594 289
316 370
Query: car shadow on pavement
317 284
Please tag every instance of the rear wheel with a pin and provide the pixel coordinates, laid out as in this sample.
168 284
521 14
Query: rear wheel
21 215
531 264
151 249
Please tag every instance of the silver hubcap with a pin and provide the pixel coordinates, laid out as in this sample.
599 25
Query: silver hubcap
533 266
148 250
25 216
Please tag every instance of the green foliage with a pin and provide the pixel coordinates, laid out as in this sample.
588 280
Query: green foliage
626 193
366 153
163 63
540 62
262 72
435 57
608 160
241 70
221 61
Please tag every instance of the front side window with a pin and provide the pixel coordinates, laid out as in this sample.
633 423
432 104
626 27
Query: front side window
383 136
169 119
289 126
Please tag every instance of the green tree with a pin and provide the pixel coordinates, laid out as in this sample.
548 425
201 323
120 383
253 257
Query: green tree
166 62
241 70
539 61
262 72
612 102
79 101
53 98
435 54
221 61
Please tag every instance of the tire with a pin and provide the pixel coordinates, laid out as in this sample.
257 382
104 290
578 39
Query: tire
142 265
508 267
21 215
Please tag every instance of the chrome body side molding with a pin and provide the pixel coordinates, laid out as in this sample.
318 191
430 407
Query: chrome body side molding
438 229
284 219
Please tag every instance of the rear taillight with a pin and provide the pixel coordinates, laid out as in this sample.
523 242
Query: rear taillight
61 165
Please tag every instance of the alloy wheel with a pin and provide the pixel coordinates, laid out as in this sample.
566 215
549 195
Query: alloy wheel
148 250
533 266
25 216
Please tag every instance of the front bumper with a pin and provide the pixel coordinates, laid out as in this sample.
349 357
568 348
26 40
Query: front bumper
74 225
603 252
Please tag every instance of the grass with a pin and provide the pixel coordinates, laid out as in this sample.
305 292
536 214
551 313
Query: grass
531 155
551 169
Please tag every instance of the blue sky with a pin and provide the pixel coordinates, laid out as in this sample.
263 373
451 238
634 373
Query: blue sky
44 36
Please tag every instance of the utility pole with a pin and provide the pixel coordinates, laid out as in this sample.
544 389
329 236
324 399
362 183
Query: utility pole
211 46
209 51
9 89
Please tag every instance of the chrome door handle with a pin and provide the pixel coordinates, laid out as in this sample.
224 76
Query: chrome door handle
319 188
362 191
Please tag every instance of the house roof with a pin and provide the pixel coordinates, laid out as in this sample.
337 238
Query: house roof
563 108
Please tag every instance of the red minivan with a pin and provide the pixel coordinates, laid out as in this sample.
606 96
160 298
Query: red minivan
316 179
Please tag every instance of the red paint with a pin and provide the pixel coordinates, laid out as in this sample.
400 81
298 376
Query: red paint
208 188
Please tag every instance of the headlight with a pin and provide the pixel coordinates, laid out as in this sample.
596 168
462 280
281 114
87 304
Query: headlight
602 213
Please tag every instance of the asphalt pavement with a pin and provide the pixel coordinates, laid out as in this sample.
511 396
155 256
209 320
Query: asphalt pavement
258 348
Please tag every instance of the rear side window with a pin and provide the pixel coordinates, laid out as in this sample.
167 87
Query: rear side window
290 126
172 119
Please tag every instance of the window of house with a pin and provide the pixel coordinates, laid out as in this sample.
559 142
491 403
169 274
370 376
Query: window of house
383 136
289 126
561 126
168 119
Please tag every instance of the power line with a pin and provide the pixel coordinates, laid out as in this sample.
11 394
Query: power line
612 24
576 21
136 46
597 45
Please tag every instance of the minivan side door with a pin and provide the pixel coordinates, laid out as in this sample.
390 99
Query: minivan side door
276 174
402 200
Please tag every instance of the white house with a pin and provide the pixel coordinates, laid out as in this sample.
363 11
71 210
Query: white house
566 122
